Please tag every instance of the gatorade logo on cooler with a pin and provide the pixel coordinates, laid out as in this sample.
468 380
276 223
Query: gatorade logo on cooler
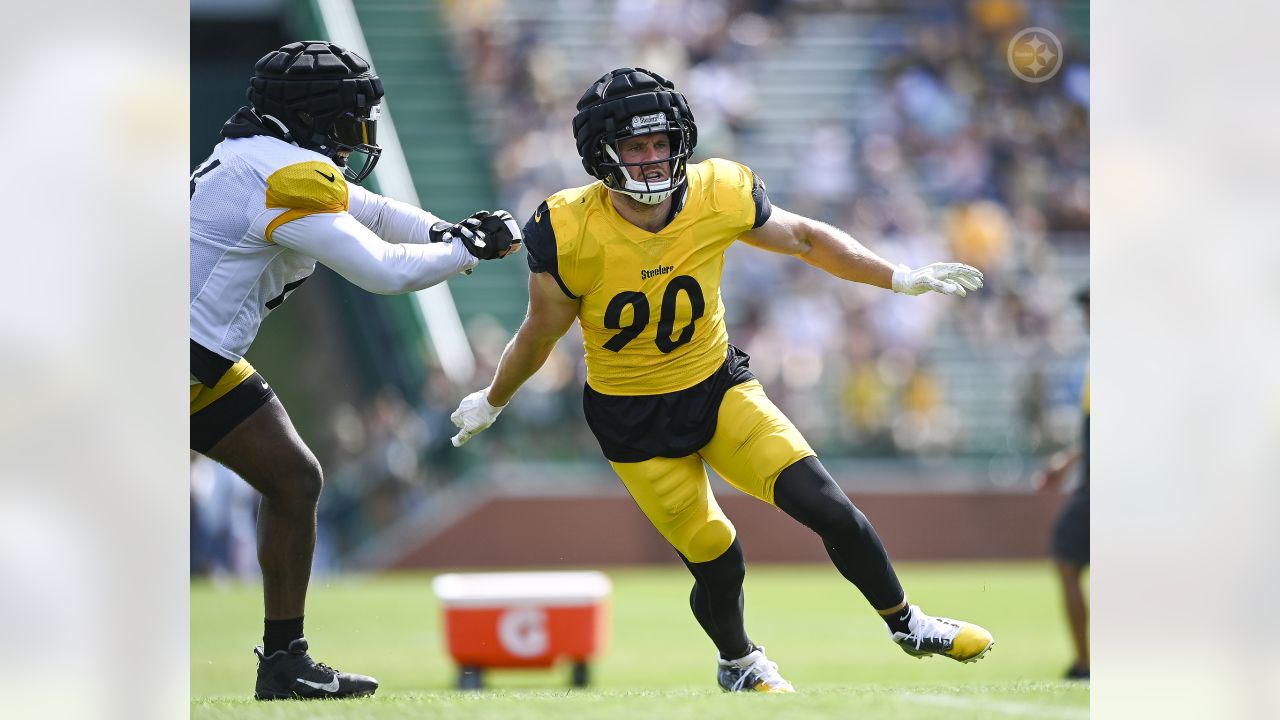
523 631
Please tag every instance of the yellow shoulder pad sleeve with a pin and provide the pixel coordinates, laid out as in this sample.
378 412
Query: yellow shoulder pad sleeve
729 189
305 188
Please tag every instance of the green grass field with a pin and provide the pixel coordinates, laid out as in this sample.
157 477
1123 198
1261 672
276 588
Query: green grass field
658 663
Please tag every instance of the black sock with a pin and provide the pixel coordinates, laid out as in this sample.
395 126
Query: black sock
277 634
716 600
899 621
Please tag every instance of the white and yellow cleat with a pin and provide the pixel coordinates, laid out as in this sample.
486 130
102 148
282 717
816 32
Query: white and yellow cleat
752 673
955 639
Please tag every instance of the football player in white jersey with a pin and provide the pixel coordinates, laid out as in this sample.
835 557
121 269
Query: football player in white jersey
279 193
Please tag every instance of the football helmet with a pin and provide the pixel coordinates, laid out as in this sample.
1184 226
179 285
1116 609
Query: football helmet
625 103
322 97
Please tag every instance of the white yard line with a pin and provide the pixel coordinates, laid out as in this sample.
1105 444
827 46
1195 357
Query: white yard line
1007 707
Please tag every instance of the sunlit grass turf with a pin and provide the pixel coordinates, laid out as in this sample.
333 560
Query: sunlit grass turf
658 663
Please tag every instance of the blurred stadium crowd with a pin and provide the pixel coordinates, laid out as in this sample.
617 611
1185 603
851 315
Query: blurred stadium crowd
931 150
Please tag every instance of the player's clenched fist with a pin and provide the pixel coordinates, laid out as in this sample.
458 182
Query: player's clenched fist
501 231
945 278
487 235
473 415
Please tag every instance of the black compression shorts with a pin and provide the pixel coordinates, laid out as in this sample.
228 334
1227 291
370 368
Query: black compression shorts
1070 539
212 423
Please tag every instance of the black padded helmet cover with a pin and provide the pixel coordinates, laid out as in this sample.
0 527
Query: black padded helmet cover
308 85
623 103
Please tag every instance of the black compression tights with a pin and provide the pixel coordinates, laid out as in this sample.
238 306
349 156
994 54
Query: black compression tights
806 492
717 600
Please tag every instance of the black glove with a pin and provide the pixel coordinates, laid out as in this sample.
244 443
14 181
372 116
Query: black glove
487 235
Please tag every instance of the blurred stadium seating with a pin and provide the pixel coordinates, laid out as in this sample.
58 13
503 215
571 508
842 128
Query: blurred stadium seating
899 121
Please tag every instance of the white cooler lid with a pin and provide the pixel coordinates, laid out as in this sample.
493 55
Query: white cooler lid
479 589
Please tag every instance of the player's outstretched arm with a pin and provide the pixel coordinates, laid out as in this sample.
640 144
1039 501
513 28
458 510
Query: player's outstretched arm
353 251
836 252
550 314
487 235
390 219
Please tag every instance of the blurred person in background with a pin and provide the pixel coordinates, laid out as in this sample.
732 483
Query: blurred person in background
223 543
1070 537
637 258
279 193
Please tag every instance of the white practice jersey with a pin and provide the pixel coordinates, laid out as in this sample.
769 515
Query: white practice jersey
263 211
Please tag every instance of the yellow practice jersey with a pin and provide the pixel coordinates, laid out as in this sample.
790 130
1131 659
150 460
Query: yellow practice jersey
651 314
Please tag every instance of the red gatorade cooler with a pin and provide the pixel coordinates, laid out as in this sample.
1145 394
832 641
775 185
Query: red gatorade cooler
523 620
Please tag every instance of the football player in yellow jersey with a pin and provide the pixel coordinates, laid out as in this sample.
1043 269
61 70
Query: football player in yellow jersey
636 258
277 195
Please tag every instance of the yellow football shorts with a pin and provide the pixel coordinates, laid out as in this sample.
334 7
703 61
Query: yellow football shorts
202 396
217 410
753 443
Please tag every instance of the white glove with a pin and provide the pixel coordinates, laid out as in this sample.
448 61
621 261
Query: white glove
473 415
945 278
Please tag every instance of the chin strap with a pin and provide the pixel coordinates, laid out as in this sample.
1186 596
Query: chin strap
652 198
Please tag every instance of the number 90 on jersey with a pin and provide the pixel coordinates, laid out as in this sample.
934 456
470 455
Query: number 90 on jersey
668 339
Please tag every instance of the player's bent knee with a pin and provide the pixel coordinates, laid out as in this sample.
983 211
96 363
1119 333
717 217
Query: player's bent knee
847 518
311 484
806 492
309 481
708 542
295 484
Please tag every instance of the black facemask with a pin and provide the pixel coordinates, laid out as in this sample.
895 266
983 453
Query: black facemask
357 132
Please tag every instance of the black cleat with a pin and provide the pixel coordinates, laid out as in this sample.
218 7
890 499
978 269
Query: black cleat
292 674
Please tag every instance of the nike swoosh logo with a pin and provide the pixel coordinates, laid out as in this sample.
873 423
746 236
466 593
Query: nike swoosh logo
332 685
330 177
